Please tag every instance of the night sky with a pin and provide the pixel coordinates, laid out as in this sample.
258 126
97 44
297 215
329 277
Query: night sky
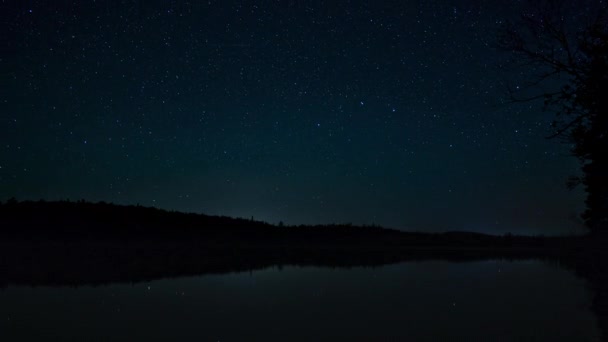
392 113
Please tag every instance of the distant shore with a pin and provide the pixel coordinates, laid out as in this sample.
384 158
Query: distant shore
81 243
71 243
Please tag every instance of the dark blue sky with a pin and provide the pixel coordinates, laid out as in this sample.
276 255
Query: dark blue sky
391 113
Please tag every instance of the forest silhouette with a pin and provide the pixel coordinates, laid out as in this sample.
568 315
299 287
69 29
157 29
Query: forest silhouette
567 69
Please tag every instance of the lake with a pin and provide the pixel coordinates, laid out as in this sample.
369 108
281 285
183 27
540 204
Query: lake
491 300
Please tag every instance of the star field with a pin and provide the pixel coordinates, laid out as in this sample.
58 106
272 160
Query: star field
392 113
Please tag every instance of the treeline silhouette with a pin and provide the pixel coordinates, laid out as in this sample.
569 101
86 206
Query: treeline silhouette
68 243
566 67
81 220
88 243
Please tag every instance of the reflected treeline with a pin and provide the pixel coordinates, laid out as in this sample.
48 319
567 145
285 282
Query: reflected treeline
75 263
80 243
591 264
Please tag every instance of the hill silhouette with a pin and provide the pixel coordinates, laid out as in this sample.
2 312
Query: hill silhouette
81 220
78 220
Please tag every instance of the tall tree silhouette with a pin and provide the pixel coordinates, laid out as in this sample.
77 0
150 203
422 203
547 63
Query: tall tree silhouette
566 63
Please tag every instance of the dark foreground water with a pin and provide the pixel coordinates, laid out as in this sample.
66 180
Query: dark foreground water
422 301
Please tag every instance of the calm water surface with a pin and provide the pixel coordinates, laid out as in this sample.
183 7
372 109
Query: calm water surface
426 301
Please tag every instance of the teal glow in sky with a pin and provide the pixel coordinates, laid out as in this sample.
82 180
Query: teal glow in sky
390 113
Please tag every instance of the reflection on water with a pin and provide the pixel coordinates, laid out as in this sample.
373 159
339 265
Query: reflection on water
426 301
